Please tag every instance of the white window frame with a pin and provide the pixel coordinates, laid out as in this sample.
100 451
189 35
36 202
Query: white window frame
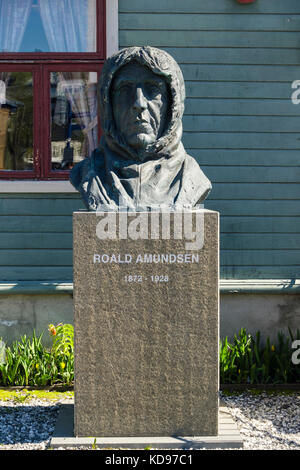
30 186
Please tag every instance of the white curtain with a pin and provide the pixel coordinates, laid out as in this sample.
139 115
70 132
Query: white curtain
13 20
82 96
70 25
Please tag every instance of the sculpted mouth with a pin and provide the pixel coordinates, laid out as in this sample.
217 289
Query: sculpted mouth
141 124
141 121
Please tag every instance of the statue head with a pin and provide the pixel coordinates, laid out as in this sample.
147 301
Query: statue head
140 105
142 100
141 161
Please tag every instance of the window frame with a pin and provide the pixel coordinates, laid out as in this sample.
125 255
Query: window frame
34 69
41 63
100 44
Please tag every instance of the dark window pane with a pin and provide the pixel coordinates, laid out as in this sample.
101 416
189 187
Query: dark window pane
16 121
48 25
74 117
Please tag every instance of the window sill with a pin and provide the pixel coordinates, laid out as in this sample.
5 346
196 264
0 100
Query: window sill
36 187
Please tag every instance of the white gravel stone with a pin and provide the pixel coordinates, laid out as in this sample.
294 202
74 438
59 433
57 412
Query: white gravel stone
265 421
27 425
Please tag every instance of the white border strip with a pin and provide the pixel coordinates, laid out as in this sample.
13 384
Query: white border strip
112 27
36 187
30 186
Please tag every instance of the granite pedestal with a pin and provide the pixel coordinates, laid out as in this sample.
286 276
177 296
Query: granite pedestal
146 316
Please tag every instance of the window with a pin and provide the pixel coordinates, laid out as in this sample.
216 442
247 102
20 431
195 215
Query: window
51 53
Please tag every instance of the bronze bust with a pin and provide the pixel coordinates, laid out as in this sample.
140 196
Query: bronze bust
140 162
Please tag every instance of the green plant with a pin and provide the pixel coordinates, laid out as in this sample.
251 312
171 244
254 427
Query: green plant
62 350
29 362
62 339
234 358
21 397
246 360
94 445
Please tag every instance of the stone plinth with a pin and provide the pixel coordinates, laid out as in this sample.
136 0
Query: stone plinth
146 316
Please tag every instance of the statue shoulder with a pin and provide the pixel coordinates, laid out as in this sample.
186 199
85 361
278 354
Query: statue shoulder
194 179
78 172
191 164
81 169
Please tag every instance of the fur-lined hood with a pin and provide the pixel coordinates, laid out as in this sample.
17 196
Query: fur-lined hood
165 176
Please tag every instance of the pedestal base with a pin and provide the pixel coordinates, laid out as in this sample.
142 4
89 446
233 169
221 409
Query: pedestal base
146 317
63 436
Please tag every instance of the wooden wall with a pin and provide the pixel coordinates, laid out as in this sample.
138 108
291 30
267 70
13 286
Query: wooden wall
239 62
36 236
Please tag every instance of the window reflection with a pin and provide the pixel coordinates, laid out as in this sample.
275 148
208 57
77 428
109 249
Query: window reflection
74 118
47 25
16 121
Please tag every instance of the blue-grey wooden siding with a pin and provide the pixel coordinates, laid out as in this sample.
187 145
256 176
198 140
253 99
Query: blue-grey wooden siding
36 236
239 62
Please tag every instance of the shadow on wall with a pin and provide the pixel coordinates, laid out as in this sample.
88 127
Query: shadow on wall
21 314
257 312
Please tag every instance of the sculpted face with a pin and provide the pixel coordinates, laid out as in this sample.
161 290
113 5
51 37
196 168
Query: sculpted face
140 101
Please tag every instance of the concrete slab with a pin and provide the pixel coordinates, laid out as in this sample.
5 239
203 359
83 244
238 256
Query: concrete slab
63 436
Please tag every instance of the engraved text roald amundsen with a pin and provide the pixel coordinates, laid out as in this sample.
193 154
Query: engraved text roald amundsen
166 258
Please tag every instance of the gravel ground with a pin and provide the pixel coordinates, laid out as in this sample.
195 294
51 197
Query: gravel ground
266 421
28 424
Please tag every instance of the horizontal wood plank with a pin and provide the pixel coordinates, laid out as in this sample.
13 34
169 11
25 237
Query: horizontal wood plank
64 257
234 241
38 195
239 90
37 207
232 56
260 241
241 73
10 240
201 21
8 273
252 191
258 258
241 140
242 107
169 38
34 224
246 157
258 124
249 174
211 6
260 272
36 273
254 207
256 224
50 257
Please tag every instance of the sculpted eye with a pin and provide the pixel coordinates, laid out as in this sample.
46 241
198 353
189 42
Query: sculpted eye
123 88
158 86
153 88
126 86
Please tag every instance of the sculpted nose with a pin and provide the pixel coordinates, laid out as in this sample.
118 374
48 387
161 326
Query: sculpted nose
140 102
